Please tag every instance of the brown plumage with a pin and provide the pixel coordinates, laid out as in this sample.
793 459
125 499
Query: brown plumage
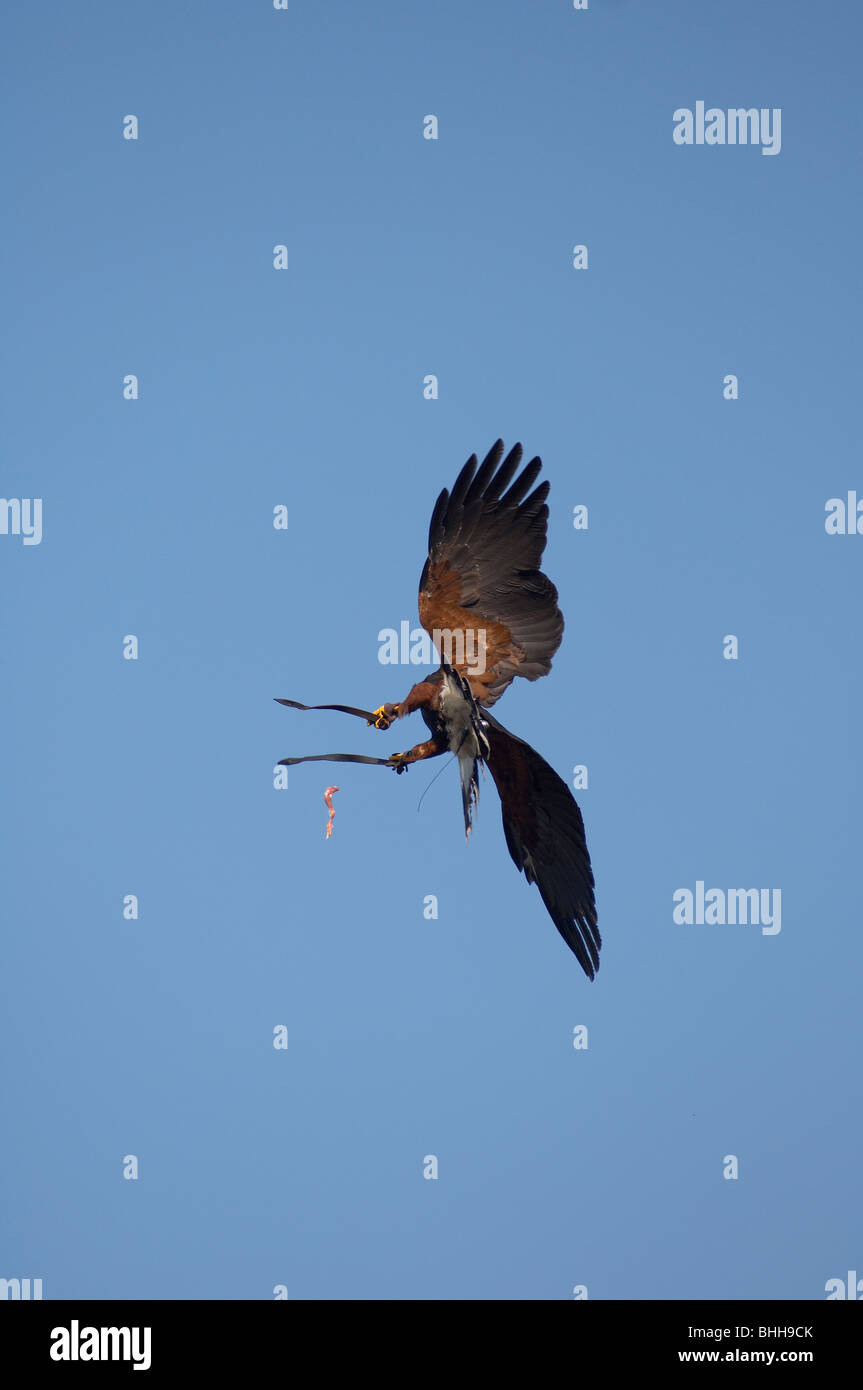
482 572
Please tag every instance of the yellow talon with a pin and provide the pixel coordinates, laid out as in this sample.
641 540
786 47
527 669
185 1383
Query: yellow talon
383 717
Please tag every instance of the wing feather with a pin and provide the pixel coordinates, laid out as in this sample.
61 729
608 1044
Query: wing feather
482 575
544 833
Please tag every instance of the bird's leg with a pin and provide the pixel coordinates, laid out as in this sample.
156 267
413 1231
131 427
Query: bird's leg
382 718
430 749
425 693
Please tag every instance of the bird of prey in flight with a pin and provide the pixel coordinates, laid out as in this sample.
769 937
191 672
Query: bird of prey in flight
493 615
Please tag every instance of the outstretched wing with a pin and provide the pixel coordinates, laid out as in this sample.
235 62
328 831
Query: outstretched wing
482 583
545 836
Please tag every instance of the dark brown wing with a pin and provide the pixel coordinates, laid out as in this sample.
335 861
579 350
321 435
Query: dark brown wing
482 581
545 836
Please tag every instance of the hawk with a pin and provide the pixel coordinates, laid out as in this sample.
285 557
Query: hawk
492 615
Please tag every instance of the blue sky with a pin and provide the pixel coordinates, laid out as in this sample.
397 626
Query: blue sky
558 1168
